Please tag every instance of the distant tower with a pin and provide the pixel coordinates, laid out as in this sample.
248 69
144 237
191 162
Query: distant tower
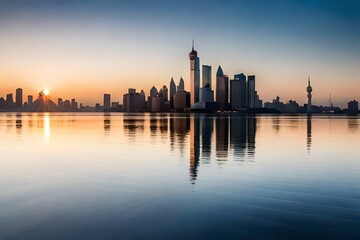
181 86
165 93
19 97
106 102
206 76
309 90
222 87
153 92
194 75
251 91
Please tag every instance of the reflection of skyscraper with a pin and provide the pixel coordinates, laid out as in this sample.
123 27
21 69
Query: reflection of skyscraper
153 125
222 137
19 97
107 122
251 127
308 133
238 134
207 126
194 147
194 76
179 128
18 123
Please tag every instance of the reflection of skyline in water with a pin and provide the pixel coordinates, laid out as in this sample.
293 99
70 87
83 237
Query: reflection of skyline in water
112 167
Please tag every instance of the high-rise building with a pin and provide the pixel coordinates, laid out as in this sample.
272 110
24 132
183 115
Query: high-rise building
194 75
153 92
181 100
133 101
206 94
206 76
19 97
251 91
353 106
165 93
222 87
172 91
181 86
107 102
238 92
9 98
30 99
74 105
309 96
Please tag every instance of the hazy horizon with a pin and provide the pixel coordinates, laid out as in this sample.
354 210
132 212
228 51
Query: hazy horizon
83 49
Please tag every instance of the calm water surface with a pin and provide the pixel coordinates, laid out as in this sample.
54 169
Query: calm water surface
118 176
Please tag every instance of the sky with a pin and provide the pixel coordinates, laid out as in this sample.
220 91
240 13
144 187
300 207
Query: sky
83 49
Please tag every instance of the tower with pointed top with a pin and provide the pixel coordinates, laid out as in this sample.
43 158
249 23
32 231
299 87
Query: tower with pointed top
309 96
194 75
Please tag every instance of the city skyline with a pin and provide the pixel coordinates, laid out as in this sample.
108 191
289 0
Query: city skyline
66 46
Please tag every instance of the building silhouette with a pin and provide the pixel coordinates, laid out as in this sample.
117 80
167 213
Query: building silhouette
251 92
181 101
181 86
238 91
19 97
206 76
309 96
30 99
222 89
107 102
194 75
353 106
134 101
172 92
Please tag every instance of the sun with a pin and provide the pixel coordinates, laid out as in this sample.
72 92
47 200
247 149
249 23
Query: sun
46 92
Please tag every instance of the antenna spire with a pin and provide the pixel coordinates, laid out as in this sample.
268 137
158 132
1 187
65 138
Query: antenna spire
193 44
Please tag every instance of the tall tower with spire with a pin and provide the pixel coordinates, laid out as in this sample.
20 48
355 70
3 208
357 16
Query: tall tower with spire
194 75
309 96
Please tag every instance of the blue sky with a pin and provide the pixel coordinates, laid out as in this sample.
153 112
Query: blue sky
113 45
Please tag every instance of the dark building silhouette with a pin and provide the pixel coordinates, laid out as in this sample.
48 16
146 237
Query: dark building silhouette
238 91
251 95
30 100
353 106
19 97
222 89
107 102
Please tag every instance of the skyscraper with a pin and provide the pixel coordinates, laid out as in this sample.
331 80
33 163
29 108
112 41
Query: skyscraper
165 93
181 86
19 97
238 91
107 102
206 76
222 88
30 99
251 95
309 96
194 75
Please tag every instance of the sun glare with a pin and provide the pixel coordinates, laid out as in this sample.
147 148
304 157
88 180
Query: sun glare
46 92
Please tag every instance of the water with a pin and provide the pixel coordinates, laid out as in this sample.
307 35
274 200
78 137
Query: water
142 176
